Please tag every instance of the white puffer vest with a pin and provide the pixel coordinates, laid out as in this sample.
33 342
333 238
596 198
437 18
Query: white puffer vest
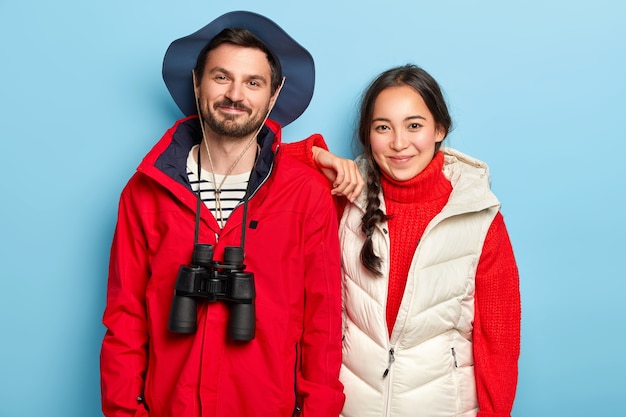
426 368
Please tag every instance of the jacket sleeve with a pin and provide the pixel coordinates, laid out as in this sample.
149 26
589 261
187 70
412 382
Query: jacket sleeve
496 339
318 385
303 150
123 358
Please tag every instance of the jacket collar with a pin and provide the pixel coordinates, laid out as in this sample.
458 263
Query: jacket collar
169 156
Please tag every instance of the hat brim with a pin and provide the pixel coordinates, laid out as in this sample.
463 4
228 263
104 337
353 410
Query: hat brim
297 64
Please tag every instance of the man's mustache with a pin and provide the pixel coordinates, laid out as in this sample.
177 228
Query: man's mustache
233 104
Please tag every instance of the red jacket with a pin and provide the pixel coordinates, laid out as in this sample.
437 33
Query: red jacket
292 249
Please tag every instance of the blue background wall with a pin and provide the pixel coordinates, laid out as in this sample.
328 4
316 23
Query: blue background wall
536 89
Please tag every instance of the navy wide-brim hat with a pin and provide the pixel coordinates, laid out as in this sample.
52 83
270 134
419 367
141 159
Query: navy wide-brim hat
296 62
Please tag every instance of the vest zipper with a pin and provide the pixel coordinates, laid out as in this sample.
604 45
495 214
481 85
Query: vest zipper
391 360
456 365
387 390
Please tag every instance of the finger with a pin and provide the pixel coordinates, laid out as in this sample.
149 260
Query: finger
342 188
358 187
349 183
340 178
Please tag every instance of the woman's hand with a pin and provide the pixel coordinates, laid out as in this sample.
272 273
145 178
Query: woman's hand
343 173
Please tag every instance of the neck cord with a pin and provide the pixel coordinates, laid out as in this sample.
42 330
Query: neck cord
245 202
246 198
196 231
218 188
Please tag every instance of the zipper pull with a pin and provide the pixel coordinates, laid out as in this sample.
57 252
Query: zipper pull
391 360
454 357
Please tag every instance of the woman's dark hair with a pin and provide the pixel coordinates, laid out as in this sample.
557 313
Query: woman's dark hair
428 88
245 39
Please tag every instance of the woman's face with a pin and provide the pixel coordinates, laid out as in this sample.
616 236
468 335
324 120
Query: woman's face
403 133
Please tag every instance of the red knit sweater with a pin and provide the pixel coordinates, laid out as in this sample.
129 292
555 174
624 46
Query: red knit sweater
411 205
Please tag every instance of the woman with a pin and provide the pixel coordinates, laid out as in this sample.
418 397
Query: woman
431 288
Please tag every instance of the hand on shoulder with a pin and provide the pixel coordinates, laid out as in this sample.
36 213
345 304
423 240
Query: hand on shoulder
343 173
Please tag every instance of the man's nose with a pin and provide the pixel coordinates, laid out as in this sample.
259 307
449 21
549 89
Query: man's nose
235 92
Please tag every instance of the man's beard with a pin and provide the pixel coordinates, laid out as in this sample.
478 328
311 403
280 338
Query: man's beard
228 126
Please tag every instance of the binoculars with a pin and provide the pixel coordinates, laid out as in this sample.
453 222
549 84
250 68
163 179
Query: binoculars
211 281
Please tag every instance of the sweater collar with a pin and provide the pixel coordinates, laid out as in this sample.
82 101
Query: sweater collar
428 185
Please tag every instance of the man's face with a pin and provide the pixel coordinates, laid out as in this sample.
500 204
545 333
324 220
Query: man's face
235 90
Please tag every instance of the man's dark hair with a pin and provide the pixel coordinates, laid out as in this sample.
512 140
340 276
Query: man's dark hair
245 39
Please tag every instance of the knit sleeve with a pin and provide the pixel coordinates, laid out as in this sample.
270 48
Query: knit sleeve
497 320
303 150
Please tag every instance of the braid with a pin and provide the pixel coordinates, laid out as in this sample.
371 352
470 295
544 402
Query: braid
373 216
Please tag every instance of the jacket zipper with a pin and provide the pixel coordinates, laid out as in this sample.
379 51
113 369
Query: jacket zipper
456 365
296 409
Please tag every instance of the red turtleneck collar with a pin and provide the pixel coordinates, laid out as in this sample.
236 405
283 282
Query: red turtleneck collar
428 185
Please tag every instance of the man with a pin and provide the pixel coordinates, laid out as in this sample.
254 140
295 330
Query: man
284 359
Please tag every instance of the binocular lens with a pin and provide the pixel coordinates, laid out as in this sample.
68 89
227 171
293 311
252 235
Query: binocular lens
183 315
241 322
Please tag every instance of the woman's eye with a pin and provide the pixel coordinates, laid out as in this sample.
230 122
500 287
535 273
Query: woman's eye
414 126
